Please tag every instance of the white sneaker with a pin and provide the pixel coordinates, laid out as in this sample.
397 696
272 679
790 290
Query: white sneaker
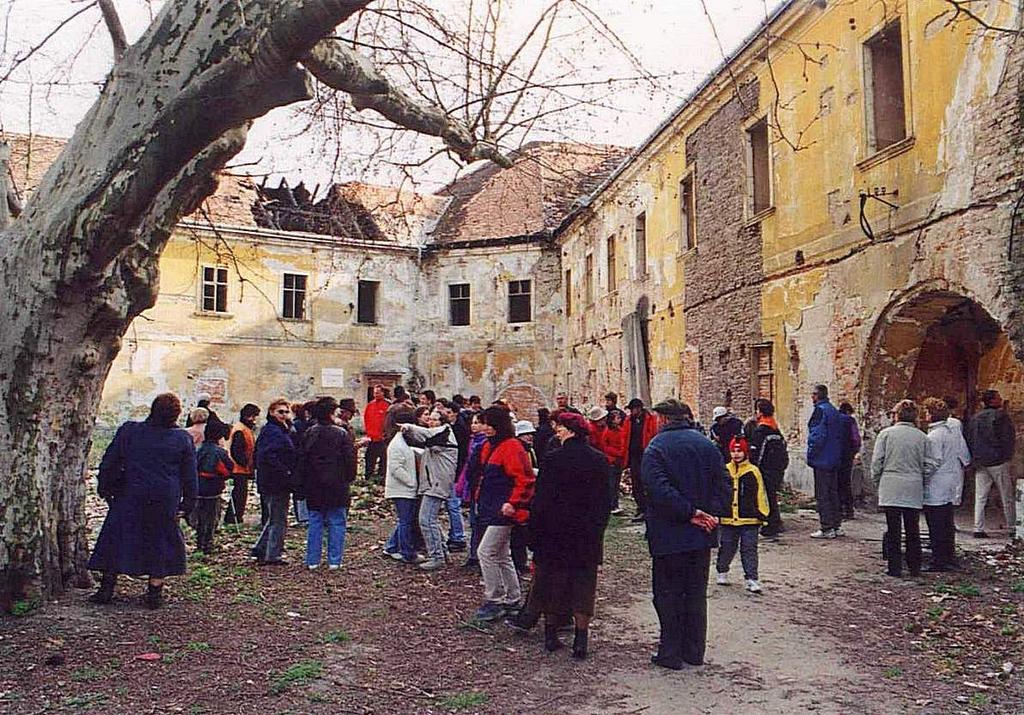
333 567
839 532
312 567
722 579
828 534
753 586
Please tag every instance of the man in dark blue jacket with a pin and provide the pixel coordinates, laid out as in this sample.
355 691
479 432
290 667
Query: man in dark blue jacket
824 453
688 488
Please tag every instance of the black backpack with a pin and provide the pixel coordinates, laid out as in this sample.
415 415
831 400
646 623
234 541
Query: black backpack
774 455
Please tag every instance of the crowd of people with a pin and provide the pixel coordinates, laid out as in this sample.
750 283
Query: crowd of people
528 502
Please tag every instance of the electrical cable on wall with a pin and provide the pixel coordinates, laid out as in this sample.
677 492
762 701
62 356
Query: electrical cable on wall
877 194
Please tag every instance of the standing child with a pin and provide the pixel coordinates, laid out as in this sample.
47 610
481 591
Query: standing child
748 511
214 466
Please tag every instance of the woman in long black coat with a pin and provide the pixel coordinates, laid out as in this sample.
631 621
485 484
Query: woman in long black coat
567 523
148 477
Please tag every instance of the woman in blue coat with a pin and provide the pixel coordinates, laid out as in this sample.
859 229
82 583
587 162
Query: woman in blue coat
148 477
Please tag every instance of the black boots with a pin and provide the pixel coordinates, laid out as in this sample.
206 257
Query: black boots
105 593
579 644
551 642
154 596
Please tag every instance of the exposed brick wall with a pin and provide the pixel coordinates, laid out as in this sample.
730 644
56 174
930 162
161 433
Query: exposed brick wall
722 300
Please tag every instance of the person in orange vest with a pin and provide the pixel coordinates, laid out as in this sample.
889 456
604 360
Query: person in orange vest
641 426
242 441
373 422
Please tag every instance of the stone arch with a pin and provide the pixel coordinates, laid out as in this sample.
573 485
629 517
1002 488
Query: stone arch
936 338
526 399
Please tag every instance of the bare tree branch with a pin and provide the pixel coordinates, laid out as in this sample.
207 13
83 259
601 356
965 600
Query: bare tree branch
114 27
340 67
963 7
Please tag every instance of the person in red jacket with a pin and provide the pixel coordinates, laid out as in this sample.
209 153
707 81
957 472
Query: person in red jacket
373 422
614 444
503 497
641 426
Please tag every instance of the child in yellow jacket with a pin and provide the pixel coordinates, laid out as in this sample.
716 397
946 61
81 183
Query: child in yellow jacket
748 512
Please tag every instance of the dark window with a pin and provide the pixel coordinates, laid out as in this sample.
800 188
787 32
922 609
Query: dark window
640 238
294 296
612 278
215 289
687 215
366 310
520 308
568 293
883 66
458 304
760 177
588 278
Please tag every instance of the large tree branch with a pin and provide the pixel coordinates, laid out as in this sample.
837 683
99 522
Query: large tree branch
344 69
114 27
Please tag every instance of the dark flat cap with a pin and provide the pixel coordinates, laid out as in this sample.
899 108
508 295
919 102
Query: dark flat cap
673 409
635 402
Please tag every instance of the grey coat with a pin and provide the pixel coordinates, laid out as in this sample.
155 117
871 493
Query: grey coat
440 459
903 461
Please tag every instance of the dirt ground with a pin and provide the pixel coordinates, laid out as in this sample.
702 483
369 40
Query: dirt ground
830 634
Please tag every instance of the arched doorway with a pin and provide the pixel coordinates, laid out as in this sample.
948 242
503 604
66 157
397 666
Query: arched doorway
937 341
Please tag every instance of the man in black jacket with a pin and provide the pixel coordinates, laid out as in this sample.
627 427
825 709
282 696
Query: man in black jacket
990 436
769 453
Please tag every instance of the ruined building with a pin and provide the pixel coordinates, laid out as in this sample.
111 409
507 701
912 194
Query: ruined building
842 201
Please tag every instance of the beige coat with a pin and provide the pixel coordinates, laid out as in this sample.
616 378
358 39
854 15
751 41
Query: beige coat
902 462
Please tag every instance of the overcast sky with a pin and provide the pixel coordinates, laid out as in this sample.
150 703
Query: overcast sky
50 93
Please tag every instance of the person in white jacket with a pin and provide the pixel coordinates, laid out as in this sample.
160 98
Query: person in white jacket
436 477
943 490
401 484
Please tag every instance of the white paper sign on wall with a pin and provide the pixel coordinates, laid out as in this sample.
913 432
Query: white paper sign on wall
332 377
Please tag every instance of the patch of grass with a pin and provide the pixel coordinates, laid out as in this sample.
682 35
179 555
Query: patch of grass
463 701
202 576
155 641
786 508
247 597
1008 610
86 673
962 588
85 700
935 613
335 636
198 646
979 700
892 672
1008 630
913 627
241 571
23 608
1018 586
297 674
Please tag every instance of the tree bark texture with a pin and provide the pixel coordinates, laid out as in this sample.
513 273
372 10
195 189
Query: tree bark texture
81 261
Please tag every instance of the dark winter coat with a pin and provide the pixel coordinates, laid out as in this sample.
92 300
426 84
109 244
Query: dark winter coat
723 431
990 436
148 476
570 509
328 466
683 471
542 440
825 437
275 459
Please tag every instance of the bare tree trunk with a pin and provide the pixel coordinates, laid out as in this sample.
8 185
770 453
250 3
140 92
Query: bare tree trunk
81 261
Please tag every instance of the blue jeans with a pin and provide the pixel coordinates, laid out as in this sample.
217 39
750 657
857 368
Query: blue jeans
456 533
270 545
430 508
403 538
336 521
